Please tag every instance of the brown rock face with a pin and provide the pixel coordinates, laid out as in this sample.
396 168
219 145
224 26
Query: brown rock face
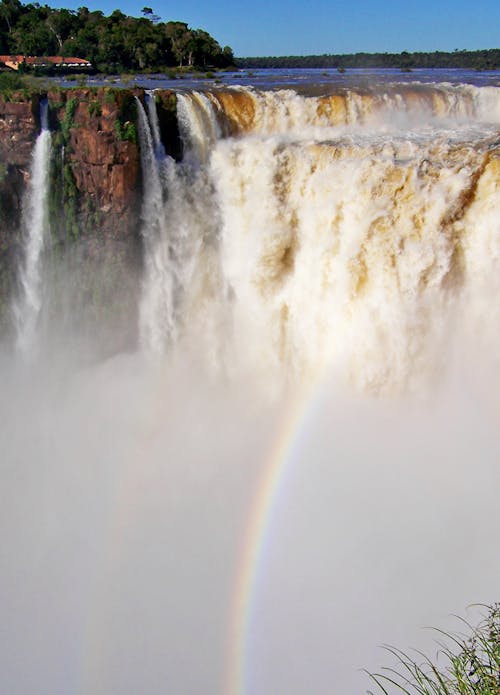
105 168
18 129
94 200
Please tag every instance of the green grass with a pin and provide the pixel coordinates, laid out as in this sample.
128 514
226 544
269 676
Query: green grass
466 664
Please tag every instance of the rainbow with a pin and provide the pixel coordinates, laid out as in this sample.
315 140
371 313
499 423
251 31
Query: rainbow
256 542
257 535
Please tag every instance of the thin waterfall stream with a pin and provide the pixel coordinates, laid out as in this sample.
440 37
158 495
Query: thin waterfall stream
35 227
157 325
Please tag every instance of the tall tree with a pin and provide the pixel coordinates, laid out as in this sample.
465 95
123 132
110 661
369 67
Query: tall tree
62 23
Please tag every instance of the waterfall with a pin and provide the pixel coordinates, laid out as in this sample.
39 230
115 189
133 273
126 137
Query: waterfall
179 224
35 228
301 459
198 125
339 246
245 110
308 233
154 125
156 313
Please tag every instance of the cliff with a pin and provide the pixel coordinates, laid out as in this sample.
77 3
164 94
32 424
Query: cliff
18 131
95 188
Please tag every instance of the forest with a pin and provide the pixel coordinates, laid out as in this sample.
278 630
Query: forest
488 59
121 43
114 43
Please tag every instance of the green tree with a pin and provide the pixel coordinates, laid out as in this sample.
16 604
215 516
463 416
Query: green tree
111 43
32 35
62 23
10 11
182 41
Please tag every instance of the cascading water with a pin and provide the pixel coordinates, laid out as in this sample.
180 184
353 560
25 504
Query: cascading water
157 325
154 125
35 226
382 109
168 527
344 224
198 125
178 221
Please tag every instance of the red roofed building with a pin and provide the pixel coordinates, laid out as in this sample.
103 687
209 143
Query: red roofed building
15 61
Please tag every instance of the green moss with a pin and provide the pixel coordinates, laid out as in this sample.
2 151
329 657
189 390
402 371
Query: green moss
124 125
67 122
109 96
167 100
57 139
64 196
127 106
70 203
126 131
95 108
70 188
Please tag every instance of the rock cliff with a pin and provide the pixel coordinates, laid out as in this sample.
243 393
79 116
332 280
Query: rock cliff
95 190
18 131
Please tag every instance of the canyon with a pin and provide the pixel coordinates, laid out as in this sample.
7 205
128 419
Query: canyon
249 367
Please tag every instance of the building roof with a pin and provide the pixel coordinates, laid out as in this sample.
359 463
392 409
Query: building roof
44 60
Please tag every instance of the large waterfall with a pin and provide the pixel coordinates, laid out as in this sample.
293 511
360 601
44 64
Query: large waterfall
292 456
35 225
352 230
179 220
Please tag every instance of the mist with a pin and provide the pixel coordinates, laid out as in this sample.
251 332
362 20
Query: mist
322 309
126 489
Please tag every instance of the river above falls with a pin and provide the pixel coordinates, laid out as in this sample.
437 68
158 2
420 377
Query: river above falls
307 81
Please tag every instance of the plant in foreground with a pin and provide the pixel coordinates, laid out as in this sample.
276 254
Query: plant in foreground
470 663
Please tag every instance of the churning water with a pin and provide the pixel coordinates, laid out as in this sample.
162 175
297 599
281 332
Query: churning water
300 462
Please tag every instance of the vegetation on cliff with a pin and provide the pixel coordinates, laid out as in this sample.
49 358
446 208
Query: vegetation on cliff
113 43
478 60
94 195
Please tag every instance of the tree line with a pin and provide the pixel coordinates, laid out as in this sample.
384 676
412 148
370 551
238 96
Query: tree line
479 60
114 43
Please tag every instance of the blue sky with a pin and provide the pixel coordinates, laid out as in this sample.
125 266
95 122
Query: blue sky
301 27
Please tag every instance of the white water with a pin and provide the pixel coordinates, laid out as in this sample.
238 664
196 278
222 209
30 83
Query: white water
353 259
178 220
35 229
400 108
339 249
156 314
198 125
154 125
